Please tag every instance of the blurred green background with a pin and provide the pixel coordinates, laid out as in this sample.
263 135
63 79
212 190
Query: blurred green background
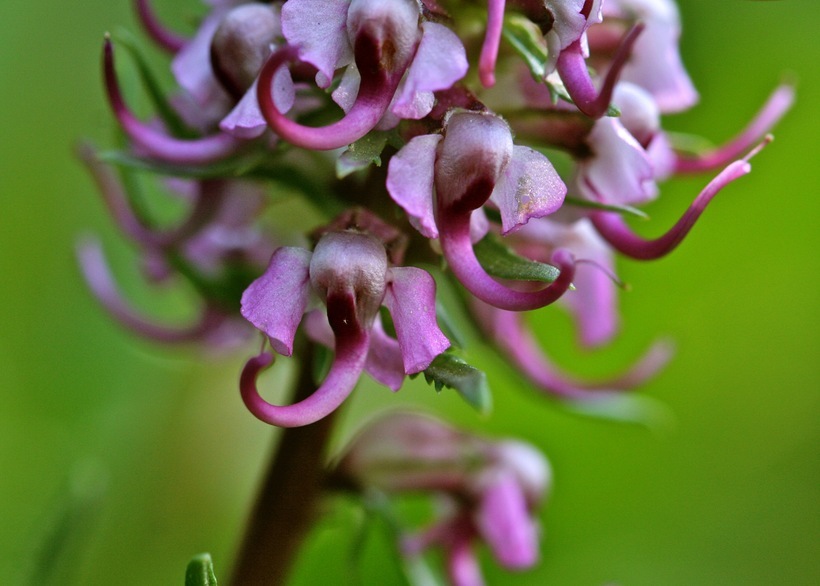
151 452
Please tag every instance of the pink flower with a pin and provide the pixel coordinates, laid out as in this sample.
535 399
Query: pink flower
349 273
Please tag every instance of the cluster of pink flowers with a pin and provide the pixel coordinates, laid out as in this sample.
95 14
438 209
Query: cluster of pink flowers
439 152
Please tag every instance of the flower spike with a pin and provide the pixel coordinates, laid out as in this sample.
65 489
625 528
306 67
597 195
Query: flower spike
779 102
572 68
615 231
167 39
201 151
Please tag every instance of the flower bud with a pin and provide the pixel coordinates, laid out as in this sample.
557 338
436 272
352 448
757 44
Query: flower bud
471 158
241 44
351 264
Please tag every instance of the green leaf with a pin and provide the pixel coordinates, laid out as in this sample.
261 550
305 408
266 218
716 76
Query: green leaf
449 325
233 167
200 571
361 154
689 143
625 408
448 370
254 165
528 42
500 261
172 120
626 210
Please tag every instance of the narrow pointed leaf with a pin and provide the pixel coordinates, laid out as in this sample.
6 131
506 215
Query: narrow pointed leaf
448 370
625 210
625 408
200 571
500 261
528 42
361 154
170 118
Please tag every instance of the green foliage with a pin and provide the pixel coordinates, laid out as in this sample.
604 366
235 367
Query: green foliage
448 370
500 261
200 571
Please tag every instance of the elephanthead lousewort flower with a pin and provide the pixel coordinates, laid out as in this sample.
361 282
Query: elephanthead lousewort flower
393 65
442 181
306 121
489 490
349 273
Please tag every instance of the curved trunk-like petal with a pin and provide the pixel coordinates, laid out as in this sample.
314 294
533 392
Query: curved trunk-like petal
205 207
615 231
504 522
458 250
384 361
410 181
165 38
492 39
371 103
411 298
529 187
276 301
352 344
204 150
339 383
101 282
573 70
508 330
773 110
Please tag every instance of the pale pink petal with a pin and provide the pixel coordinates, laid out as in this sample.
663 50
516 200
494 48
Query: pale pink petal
348 88
529 188
246 120
319 29
275 302
384 360
192 65
655 63
504 521
410 181
411 299
594 303
619 170
440 61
